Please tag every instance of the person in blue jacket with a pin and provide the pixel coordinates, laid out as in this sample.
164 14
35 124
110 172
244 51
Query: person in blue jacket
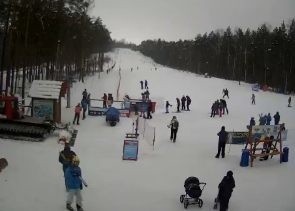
73 179
84 103
221 142
268 119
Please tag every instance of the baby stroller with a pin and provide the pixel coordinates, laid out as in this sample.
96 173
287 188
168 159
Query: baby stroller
193 191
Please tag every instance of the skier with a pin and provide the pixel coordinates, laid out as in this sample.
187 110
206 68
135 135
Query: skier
224 106
221 142
66 156
277 118
289 101
167 106
226 187
105 98
268 119
178 104
141 84
77 113
84 107
225 93
188 102
174 124
145 84
183 99
73 180
253 99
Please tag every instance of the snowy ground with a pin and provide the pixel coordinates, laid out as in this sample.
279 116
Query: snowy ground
34 181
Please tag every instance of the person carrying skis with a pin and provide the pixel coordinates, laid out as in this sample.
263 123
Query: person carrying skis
178 104
221 142
226 187
277 118
66 156
289 101
167 106
77 113
253 99
73 179
188 102
174 124
183 99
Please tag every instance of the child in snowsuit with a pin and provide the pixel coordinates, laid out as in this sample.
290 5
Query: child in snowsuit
73 180
66 156
174 124
221 142
167 106
77 113
226 187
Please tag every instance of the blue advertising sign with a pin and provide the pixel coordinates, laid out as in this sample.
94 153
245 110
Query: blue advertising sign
130 150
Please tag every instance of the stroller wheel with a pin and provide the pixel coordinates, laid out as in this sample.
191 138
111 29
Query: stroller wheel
200 203
185 203
181 198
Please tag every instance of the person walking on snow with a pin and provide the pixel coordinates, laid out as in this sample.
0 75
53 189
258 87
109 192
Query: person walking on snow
178 104
188 102
221 142
141 84
226 187
73 179
145 84
253 99
174 124
183 99
289 101
84 107
167 106
77 113
84 94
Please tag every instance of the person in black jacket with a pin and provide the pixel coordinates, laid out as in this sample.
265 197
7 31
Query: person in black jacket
188 102
221 142
178 104
183 99
277 118
226 187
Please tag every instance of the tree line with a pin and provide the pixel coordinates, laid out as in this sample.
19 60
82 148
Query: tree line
49 39
261 56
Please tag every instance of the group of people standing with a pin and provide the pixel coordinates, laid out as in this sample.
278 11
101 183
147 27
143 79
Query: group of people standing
218 108
73 177
266 119
107 100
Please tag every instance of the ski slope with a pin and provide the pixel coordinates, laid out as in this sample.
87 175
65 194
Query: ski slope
33 180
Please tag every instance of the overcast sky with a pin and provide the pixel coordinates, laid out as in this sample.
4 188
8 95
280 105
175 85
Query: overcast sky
138 20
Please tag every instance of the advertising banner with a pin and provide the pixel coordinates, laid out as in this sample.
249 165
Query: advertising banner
43 108
130 150
237 137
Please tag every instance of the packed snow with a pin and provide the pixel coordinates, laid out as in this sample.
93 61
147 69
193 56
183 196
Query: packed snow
33 179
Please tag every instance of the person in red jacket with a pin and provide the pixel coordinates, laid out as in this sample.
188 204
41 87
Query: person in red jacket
77 113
